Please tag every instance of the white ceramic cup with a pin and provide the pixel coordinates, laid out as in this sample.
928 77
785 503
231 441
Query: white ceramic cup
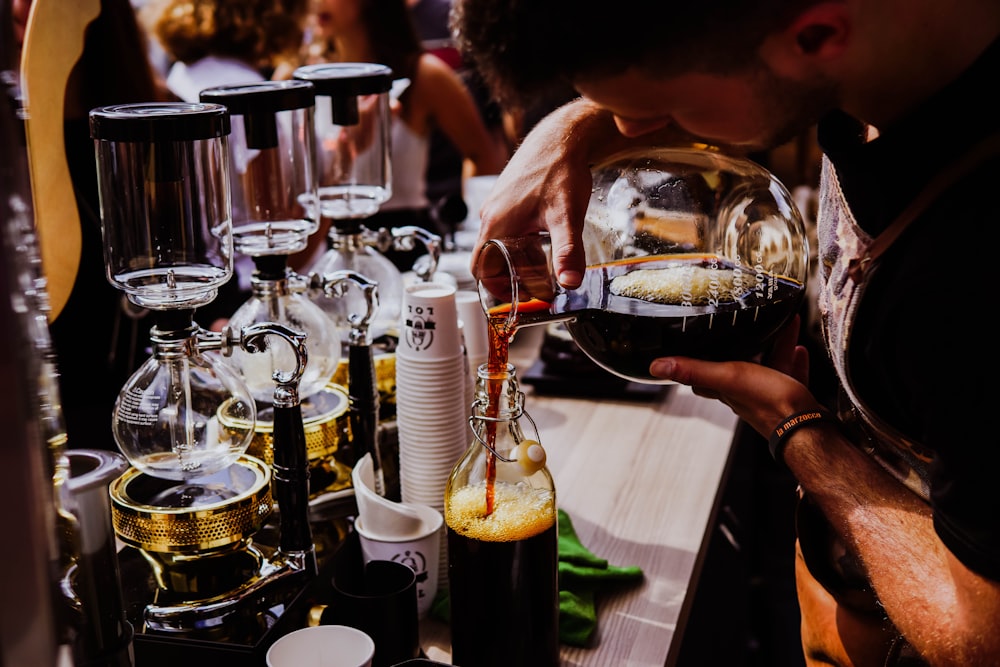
475 190
322 646
420 550
429 327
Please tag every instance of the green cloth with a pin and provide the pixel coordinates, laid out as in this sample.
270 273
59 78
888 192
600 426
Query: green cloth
582 575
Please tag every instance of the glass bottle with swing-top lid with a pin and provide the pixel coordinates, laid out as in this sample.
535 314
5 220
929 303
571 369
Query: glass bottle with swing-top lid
500 513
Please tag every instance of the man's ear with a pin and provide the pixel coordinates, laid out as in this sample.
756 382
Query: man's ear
820 32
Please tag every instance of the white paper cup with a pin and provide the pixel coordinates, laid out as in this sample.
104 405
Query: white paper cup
411 278
429 323
322 646
420 551
470 312
475 190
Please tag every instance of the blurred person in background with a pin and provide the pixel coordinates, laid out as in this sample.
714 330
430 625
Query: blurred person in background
445 173
898 547
383 32
221 42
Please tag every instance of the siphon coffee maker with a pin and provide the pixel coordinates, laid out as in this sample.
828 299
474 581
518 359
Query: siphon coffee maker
192 501
275 211
352 139
352 125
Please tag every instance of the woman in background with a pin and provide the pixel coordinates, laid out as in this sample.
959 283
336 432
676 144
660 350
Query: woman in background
383 32
222 42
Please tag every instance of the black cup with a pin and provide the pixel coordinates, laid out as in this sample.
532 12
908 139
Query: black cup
379 598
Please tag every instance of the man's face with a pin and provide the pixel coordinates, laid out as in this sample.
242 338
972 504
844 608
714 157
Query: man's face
755 110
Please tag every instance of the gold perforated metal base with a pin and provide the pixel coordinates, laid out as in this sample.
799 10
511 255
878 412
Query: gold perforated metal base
217 513
325 417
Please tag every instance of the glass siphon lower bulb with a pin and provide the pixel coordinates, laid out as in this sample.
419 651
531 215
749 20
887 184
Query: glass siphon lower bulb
184 417
297 312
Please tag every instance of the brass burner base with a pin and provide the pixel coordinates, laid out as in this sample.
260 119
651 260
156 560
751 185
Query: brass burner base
329 449
213 514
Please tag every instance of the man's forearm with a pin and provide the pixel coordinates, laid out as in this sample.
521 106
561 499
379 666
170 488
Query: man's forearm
943 609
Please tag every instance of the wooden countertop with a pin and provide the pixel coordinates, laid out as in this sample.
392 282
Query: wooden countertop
640 481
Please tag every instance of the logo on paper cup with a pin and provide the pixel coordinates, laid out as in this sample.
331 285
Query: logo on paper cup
420 329
417 562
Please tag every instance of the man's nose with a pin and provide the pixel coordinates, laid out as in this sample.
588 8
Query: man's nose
635 128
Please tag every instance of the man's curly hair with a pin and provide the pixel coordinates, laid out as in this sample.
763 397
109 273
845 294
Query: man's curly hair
522 48
255 31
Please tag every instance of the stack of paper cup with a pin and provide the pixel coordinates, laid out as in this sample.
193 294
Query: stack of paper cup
431 409
431 397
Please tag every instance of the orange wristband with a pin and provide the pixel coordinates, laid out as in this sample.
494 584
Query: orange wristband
776 443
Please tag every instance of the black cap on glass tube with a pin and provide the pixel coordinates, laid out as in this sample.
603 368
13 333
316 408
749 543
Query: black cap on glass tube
161 126
149 122
259 102
343 83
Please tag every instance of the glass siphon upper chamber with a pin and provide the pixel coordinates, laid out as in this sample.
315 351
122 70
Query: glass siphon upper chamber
273 180
352 137
162 176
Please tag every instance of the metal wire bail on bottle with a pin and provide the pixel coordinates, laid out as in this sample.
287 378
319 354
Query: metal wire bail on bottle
517 413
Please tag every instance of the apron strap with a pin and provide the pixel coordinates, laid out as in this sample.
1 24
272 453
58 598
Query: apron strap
979 153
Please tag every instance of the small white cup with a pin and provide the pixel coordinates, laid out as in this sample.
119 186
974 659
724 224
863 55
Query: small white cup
475 190
420 550
411 278
322 646
429 327
475 326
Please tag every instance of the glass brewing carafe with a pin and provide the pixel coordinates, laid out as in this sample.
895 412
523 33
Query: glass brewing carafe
688 252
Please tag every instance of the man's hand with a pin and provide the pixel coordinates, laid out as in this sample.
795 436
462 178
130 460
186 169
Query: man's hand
762 395
545 186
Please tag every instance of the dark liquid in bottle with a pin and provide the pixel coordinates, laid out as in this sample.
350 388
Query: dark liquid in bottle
625 333
504 566
502 554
